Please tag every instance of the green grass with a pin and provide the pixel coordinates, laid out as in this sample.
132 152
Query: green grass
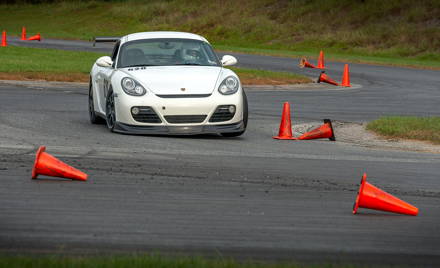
335 55
403 32
408 127
19 63
146 261
261 77
23 59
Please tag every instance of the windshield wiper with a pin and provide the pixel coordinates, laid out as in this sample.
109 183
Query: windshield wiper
188 63
138 65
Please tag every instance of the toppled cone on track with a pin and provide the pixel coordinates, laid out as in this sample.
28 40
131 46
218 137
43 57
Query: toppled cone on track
285 131
369 196
4 42
303 63
346 77
326 79
23 34
322 132
46 164
36 37
321 64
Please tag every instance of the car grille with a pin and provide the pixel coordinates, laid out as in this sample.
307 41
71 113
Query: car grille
146 115
184 96
182 119
222 114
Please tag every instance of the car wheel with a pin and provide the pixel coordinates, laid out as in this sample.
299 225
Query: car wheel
94 118
245 119
110 114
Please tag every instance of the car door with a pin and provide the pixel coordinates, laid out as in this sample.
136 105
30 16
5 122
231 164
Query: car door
104 76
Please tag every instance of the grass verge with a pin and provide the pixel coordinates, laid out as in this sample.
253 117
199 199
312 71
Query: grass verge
261 77
408 127
397 32
22 63
146 261
334 55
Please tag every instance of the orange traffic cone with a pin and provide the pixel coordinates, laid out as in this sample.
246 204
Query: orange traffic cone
23 33
321 60
35 37
4 42
369 196
326 79
304 63
46 164
285 132
324 131
346 77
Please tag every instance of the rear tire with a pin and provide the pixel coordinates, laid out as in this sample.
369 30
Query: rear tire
94 118
245 119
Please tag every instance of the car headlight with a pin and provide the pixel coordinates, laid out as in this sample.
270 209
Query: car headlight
229 85
131 87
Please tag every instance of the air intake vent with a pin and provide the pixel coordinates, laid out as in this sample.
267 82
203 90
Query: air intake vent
223 113
185 119
145 114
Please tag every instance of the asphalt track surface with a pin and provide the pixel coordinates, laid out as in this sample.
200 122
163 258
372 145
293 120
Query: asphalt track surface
246 197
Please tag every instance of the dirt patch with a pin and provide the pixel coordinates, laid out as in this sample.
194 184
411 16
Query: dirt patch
357 134
30 76
56 84
272 81
81 77
42 84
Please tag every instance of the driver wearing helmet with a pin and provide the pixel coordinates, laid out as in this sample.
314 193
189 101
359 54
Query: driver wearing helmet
191 53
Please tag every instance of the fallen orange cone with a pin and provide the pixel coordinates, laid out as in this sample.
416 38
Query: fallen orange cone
46 164
321 60
36 37
369 196
346 77
326 79
285 131
4 42
304 63
23 33
324 131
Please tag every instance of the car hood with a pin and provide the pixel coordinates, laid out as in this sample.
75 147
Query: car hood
178 80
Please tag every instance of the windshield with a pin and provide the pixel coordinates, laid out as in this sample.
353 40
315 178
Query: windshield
166 52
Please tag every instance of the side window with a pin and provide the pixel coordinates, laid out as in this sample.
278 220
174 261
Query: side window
115 53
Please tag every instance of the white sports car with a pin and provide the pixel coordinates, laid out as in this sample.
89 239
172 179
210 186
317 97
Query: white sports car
166 83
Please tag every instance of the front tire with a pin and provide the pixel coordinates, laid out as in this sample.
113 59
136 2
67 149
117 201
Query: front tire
94 118
245 119
110 113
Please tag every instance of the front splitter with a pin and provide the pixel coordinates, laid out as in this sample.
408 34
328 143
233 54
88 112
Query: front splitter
178 130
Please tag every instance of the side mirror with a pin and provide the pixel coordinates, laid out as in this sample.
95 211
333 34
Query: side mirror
228 60
104 61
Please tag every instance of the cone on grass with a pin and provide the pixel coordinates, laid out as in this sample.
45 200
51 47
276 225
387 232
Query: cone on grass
23 34
36 37
285 131
321 64
326 79
369 196
46 164
325 131
4 42
346 77
303 63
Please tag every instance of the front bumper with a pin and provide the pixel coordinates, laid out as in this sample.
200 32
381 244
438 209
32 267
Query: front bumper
178 130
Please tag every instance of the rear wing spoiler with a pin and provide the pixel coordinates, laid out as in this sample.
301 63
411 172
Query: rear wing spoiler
105 39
